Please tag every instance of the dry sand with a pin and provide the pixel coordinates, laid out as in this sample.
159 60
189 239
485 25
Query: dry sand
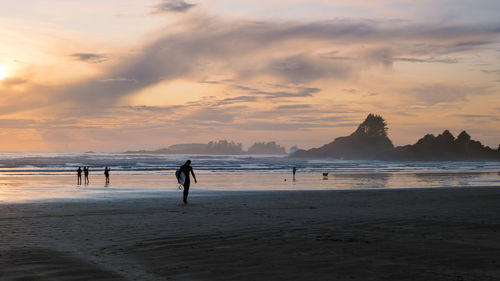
425 234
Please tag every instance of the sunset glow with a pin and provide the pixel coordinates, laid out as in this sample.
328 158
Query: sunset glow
119 75
3 71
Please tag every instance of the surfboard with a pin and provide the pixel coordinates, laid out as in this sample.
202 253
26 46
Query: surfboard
182 178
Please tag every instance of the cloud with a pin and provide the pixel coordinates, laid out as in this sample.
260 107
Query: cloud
473 116
303 112
245 88
442 93
300 125
277 126
17 123
382 56
333 56
119 80
89 57
477 117
429 60
350 91
270 51
211 115
210 82
304 68
300 93
287 92
14 81
403 113
238 99
178 6
293 106
494 71
144 108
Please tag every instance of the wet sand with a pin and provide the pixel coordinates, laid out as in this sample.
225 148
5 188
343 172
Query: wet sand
413 234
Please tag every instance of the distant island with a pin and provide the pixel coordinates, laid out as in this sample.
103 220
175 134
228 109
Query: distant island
269 148
370 142
222 147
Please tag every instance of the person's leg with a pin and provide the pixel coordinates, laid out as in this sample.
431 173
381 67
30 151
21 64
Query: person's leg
186 193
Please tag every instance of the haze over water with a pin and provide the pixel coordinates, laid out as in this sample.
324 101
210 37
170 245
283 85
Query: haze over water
42 176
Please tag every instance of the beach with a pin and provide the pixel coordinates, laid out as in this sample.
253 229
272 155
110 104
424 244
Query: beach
382 234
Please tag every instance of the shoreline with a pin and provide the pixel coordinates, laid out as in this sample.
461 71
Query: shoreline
389 234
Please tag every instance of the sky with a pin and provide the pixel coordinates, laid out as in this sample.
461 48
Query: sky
115 75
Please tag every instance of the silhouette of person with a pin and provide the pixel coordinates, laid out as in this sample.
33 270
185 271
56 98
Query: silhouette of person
106 173
79 173
86 173
186 169
294 171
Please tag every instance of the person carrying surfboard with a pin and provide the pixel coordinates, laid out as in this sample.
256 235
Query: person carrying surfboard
184 171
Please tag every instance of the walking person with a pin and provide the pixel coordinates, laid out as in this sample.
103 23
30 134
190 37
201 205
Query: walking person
294 171
186 169
106 173
86 173
79 173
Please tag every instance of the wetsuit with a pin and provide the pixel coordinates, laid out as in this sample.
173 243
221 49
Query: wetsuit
106 173
86 172
79 172
187 182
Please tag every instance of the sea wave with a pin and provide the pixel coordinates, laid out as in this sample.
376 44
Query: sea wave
32 163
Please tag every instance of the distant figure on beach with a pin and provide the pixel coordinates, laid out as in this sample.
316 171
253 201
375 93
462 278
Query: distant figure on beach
106 173
86 173
294 171
186 169
79 173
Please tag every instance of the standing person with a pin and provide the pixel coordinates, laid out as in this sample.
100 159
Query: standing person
186 169
106 173
86 173
294 171
79 173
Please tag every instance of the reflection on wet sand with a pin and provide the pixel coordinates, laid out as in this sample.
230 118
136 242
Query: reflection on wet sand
21 187
378 180
447 179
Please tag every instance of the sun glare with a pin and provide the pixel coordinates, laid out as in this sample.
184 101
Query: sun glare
3 71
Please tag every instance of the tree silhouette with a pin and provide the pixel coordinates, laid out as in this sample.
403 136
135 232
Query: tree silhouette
373 126
266 148
370 141
224 147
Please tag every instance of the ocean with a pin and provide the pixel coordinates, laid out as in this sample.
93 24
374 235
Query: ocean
52 176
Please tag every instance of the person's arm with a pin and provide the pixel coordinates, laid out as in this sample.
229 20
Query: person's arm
194 177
